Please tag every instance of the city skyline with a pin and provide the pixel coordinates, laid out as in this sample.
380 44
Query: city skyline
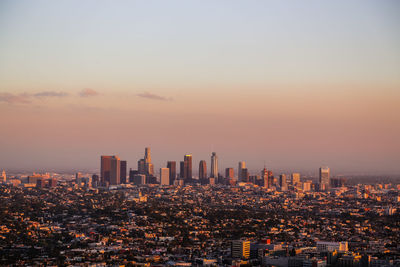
294 85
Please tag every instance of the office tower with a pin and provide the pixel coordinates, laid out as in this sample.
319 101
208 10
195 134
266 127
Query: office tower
147 156
95 180
324 178
147 160
240 249
131 174
188 165
242 165
171 165
214 165
144 165
123 172
141 166
245 175
295 178
3 177
164 176
229 173
139 179
78 176
183 170
265 178
202 171
307 186
105 169
282 182
149 169
115 172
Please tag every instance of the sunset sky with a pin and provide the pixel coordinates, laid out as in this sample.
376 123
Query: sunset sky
292 84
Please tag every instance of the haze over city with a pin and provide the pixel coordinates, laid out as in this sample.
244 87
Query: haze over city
290 86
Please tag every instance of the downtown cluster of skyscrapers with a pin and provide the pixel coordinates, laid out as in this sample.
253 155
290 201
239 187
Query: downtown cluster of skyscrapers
114 172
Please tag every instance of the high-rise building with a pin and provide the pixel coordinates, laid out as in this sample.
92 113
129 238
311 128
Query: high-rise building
282 182
214 165
265 178
164 176
295 178
105 169
3 177
188 161
147 155
132 173
183 170
144 165
115 172
202 171
242 165
139 179
141 166
245 175
240 249
123 172
171 165
229 173
95 180
307 186
149 169
324 178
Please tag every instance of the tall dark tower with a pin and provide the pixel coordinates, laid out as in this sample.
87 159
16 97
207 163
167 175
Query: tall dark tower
188 163
105 169
171 165
214 165
123 172
183 170
324 178
229 173
202 170
115 172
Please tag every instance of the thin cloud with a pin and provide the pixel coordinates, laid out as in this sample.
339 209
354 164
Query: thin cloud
50 94
87 92
152 96
25 98
14 99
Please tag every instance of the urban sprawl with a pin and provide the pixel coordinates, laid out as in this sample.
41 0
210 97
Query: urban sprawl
133 217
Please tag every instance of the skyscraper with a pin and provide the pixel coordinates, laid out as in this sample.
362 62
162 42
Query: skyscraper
171 165
202 171
242 165
265 178
245 175
214 165
123 172
115 172
183 170
164 176
295 178
3 177
324 178
141 166
147 161
283 182
188 161
105 169
229 173
147 155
